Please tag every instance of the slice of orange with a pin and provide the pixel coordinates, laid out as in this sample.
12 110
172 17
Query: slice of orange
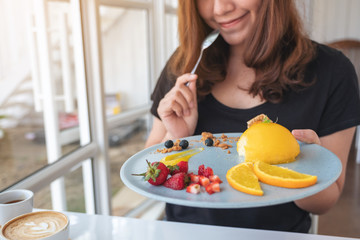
173 159
242 178
282 177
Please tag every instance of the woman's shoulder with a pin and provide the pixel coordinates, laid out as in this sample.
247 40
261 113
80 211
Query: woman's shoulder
326 55
329 63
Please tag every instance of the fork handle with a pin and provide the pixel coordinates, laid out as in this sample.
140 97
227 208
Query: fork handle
195 67
197 63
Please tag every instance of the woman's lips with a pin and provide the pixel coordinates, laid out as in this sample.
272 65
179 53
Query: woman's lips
233 22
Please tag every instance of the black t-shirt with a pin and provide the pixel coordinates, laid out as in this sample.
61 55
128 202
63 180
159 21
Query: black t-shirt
329 105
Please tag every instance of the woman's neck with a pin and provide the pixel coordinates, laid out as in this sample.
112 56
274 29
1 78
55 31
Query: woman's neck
234 90
238 73
237 51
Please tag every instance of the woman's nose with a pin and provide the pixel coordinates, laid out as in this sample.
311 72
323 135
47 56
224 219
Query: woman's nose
222 7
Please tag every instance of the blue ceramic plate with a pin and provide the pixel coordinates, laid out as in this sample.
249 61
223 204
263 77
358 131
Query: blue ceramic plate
313 159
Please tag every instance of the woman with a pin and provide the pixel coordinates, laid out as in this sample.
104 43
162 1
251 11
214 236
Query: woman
261 63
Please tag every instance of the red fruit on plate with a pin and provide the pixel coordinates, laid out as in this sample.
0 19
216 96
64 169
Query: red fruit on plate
194 178
215 178
156 173
182 166
193 188
204 181
212 188
201 170
177 181
208 172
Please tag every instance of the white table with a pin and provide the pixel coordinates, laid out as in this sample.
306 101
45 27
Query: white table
86 227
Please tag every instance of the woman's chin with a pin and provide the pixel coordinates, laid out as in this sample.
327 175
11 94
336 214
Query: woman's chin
235 39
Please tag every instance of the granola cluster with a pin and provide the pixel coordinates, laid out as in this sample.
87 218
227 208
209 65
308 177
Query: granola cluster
218 142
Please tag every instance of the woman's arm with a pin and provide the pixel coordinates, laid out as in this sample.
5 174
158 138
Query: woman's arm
339 143
157 134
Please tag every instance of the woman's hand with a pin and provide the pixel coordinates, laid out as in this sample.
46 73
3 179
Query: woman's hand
178 109
339 143
306 136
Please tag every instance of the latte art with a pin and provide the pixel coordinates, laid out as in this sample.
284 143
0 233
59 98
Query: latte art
41 229
35 225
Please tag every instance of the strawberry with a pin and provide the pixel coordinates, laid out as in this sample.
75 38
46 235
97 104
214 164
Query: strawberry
193 188
194 178
215 178
182 166
201 170
208 172
204 181
212 188
178 181
156 173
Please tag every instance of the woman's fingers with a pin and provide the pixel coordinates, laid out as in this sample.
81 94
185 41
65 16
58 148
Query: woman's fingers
186 84
179 99
186 78
192 87
306 136
178 104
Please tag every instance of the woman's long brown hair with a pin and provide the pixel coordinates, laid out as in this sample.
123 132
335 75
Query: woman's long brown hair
277 49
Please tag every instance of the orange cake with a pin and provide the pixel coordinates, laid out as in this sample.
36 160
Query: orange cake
267 141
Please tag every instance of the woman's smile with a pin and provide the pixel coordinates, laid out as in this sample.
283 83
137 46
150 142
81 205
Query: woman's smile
234 18
233 22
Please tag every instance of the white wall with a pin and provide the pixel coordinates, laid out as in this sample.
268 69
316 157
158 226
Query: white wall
331 20
13 45
125 57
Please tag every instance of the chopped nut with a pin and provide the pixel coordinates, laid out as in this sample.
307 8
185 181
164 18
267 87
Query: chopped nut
217 142
224 146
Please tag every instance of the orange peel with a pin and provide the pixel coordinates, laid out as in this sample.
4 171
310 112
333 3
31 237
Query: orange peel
282 177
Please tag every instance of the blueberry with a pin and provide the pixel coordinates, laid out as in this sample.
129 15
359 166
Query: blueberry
184 144
209 142
169 144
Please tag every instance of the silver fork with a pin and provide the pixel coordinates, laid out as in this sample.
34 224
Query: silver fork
210 39
205 44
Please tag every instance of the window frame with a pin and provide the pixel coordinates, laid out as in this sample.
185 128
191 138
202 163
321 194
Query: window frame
92 154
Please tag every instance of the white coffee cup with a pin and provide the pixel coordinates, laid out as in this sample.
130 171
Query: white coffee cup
14 203
46 225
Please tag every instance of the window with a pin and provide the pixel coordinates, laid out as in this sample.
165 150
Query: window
129 57
41 110
78 74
